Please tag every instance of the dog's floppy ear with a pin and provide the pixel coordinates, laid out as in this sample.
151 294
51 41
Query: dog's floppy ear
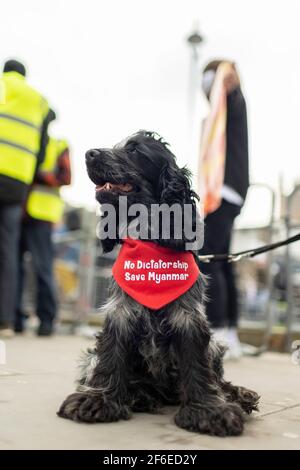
175 188
174 185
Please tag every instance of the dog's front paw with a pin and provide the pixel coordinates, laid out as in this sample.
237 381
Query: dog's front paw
90 408
221 420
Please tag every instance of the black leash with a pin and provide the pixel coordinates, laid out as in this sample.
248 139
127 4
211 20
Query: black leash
231 258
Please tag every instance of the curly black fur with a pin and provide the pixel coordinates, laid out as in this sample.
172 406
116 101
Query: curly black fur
144 360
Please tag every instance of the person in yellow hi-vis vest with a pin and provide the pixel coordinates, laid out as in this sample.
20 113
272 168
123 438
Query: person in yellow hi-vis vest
23 127
44 208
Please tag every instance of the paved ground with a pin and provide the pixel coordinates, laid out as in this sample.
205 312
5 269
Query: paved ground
39 374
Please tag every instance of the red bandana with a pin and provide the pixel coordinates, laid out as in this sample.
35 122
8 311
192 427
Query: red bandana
153 275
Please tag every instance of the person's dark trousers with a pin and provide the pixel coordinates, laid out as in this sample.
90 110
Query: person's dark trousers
10 222
222 306
36 238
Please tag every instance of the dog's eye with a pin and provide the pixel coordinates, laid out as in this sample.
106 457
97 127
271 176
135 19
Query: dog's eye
133 153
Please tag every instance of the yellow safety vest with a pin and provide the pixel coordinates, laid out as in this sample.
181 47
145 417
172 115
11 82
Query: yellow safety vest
44 202
2 92
22 112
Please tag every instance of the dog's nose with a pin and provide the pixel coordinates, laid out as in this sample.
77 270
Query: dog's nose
91 155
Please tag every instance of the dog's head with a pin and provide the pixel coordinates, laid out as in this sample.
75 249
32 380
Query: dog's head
143 169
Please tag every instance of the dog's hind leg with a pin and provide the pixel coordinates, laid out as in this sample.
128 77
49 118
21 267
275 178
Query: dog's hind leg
145 401
247 399
150 396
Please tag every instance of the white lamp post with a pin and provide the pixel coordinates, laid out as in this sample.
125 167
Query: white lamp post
194 40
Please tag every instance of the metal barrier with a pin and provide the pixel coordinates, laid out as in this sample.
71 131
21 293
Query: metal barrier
82 272
282 310
75 266
268 231
290 226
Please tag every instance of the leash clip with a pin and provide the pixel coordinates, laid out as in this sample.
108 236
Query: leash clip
205 258
238 257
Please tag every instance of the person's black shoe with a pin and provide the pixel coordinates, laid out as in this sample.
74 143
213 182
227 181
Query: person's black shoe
20 322
45 329
19 328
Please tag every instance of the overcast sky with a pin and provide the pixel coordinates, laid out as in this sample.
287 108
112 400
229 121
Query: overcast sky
112 67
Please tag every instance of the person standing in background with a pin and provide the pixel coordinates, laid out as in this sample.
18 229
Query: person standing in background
23 126
44 208
224 163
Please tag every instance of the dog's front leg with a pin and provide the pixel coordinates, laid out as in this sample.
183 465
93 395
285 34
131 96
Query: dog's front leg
102 392
204 407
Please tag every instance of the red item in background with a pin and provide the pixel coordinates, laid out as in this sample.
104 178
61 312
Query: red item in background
154 275
62 174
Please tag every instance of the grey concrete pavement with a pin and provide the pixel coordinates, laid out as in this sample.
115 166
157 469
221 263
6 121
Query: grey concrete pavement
39 374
